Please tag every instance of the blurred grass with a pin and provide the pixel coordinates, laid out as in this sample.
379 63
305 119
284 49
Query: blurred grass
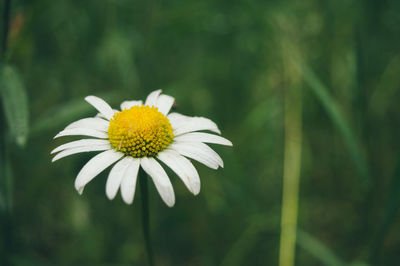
61 115
248 239
338 119
318 250
222 60
390 214
15 104
292 154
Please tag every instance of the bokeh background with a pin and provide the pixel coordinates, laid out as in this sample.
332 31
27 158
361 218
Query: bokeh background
306 89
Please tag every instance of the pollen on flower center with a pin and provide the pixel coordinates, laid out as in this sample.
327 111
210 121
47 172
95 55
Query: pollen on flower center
140 131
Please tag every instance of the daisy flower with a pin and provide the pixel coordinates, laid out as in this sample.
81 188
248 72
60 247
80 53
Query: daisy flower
142 135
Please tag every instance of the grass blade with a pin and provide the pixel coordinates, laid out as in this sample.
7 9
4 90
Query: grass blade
292 153
318 249
6 181
59 116
6 186
390 213
15 104
321 92
248 239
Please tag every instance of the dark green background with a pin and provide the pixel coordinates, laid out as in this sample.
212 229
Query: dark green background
230 61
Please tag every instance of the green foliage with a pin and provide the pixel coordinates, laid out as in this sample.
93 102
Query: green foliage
338 119
15 103
248 239
6 183
318 249
390 213
225 60
63 114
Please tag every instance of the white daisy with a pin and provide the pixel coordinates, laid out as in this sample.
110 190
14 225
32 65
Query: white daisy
141 135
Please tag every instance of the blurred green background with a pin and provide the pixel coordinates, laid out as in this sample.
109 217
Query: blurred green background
321 75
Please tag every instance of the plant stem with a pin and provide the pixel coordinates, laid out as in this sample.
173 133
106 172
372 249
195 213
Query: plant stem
292 158
6 23
5 181
5 215
145 216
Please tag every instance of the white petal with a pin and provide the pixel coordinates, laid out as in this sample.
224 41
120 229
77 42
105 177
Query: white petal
100 115
83 132
200 152
160 179
177 117
68 152
202 137
164 103
80 143
183 168
128 184
183 124
95 166
101 106
91 122
115 177
129 104
151 100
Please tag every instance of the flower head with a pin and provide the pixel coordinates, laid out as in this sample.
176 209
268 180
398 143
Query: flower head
142 135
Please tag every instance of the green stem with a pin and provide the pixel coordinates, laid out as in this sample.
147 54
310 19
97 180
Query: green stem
145 216
291 178
6 245
6 22
4 212
292 158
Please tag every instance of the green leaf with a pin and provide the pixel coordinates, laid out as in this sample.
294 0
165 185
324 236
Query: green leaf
15 103
321 92
390 212
3 178
63 114
248 239
60 115
6 180
318 249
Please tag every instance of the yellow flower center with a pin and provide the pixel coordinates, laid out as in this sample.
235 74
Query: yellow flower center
140 131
